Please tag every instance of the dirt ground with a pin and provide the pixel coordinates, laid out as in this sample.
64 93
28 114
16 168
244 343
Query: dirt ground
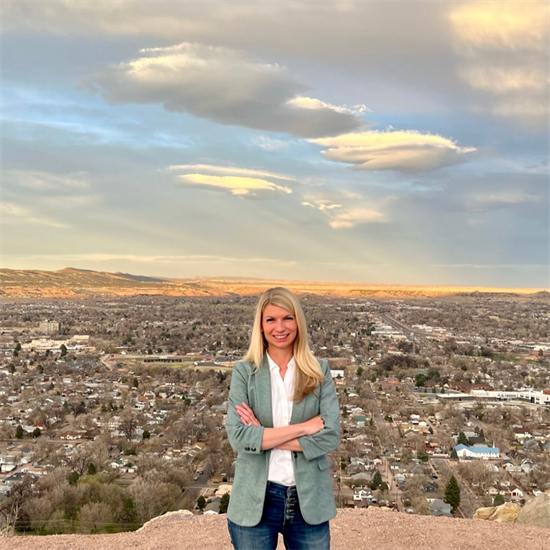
368 529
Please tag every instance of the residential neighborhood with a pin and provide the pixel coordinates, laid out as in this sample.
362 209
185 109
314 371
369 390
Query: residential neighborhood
112 410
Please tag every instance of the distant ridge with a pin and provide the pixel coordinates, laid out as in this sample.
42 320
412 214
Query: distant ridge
82 283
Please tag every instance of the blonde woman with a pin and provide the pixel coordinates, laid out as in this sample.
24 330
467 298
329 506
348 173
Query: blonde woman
283 419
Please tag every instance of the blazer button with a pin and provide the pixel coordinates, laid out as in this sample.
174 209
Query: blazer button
247 448
253 449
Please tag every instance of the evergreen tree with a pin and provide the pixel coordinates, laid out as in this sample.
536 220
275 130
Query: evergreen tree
19 432
224 503
376 480
498 500
201 503
92 470
454 454
452 493
73 478
462 439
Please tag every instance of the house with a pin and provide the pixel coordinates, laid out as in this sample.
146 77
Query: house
480 451
516 493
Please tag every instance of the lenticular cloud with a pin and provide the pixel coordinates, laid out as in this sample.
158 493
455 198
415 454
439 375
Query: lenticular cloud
225 86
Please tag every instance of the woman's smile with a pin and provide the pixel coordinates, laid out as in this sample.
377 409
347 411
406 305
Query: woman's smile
279 326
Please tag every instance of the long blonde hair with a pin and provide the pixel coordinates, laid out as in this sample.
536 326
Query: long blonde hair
308 371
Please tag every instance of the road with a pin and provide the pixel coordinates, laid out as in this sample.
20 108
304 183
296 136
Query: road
193 491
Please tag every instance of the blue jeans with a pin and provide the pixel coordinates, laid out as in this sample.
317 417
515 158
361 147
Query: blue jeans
281 515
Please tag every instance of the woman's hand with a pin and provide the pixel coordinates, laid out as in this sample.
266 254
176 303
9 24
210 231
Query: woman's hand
247 415
314 425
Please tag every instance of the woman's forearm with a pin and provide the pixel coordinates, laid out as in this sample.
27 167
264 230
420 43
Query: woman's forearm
276 437
292 445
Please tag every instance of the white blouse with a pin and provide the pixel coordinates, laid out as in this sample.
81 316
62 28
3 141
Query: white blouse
281 467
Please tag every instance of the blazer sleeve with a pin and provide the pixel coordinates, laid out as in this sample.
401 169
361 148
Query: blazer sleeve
328 439
243 439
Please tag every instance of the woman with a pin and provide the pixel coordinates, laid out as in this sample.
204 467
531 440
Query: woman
283 419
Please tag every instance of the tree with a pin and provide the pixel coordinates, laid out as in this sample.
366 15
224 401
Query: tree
12 507
36 432
454 454
498 500
92 470
19 432
462 439
376 480
63 349
73 478
452 493
201 503
422 455
360 371
420 380
146 434
224 503
128 425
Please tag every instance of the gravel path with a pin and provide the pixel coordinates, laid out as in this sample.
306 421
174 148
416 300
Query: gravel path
351 530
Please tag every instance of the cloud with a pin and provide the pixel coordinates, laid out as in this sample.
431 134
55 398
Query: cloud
481 202
345 216
235 185
151 258
222 85
404 151
45 181
503 52
269 144
322 205
317 104
13 213
230 171
501 25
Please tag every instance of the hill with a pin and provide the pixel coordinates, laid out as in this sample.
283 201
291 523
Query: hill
350 530
82 283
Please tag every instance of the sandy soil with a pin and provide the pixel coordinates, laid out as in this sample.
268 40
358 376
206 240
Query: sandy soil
351 530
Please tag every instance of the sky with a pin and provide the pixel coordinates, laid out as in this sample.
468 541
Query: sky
376 142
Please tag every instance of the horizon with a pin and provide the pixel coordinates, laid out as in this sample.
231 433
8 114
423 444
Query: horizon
291 141
224 278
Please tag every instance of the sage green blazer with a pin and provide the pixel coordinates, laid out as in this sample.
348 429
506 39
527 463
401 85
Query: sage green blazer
311 467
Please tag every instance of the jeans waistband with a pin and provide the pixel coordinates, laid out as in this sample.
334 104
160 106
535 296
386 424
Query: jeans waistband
283 490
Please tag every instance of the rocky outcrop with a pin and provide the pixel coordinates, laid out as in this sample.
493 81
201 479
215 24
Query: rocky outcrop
536 512
508 511
178 515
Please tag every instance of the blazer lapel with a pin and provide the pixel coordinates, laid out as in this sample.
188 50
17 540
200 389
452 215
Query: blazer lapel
262 381
298 410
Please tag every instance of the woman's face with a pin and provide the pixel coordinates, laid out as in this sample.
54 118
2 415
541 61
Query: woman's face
279 327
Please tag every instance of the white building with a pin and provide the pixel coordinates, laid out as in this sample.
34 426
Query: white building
480 451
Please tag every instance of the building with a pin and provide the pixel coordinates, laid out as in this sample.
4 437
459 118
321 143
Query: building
480 451
540 397
49 327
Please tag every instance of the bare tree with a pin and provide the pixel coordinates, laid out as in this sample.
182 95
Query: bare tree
11 507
